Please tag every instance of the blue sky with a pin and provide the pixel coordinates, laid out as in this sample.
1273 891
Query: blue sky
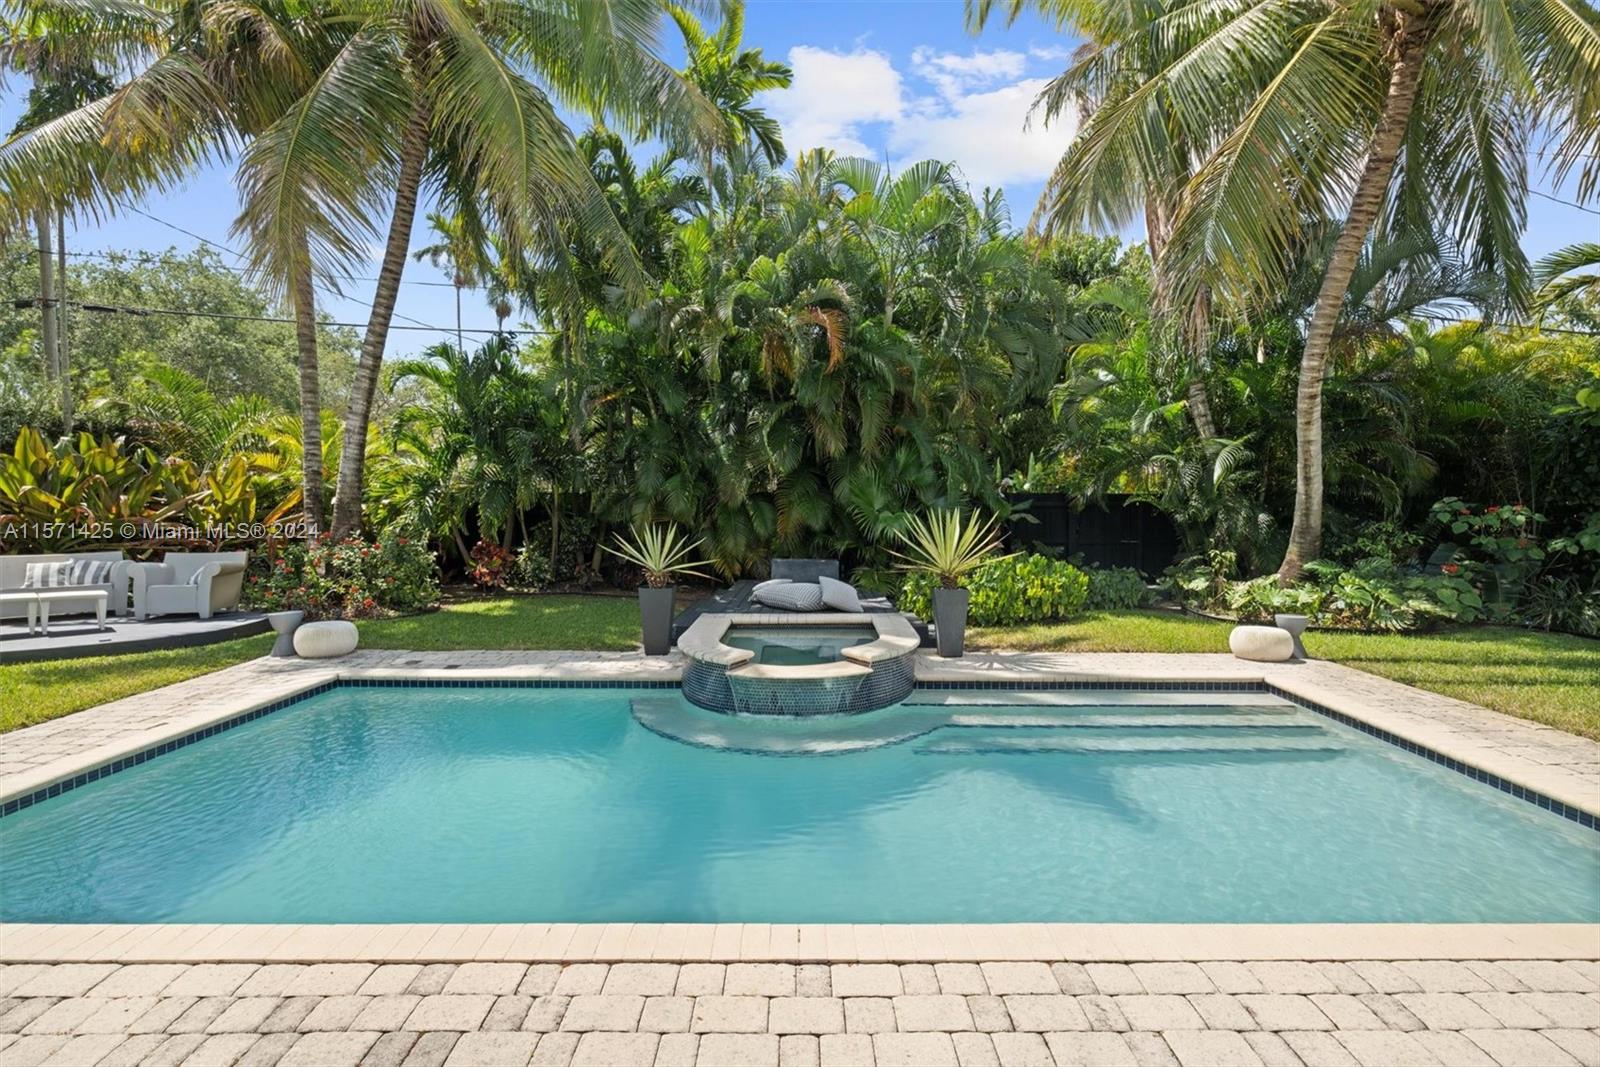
894 79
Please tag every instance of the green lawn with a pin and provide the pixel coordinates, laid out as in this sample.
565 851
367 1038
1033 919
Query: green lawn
1547 678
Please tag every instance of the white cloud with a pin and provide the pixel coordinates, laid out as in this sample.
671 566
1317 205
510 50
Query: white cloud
954 74
987 135
833 95
968 108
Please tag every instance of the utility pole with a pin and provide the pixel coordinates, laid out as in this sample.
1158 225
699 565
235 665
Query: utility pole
47 288
63 344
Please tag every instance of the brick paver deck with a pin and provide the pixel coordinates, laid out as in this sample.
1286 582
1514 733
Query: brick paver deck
720 1015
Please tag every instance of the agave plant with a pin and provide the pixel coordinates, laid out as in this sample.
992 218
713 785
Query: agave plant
948 545
661 551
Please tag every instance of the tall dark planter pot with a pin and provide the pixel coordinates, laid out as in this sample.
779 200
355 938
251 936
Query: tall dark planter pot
950 620
655 616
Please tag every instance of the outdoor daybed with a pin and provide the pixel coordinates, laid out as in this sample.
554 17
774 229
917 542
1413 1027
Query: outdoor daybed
739 598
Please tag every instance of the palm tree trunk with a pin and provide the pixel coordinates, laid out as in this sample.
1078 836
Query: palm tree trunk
305 336
1412 36
352 458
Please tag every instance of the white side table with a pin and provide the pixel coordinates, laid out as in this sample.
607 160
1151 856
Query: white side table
30 600
49 596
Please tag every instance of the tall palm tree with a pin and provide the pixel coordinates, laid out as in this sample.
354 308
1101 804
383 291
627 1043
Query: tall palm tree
355 109
1392 115
456 98
457 249
730 76
199 79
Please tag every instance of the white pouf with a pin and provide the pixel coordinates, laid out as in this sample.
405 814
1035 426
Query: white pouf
325 640
1264 644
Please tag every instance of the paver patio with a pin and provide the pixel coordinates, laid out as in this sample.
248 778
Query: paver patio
94 1015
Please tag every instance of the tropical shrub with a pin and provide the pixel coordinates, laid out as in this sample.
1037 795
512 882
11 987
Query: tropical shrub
1008 591
491 565
348 579
54 498
1115 589
531 568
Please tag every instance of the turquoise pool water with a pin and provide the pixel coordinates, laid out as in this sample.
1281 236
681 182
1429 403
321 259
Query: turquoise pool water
797 645
476 805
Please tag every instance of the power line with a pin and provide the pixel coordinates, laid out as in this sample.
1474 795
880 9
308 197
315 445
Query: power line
241 256
129 309
1569 203
146 255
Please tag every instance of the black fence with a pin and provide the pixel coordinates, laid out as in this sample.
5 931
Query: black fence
1121 533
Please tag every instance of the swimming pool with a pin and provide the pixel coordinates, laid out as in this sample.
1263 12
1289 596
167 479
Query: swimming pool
464 804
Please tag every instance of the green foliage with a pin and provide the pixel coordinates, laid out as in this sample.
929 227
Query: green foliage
1008 591
531 569
231 358
1116 589
349 579
81 491
1372 595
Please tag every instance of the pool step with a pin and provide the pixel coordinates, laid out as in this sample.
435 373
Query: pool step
1176 719
1010 742
779 735
1099 698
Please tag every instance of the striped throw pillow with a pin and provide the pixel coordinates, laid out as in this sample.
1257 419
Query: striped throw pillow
90 571
48 575
792 596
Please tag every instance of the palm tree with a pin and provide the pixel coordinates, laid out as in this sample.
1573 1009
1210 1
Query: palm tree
459 250
731 76
1557 278
349 109
457 98
1393 115
206 77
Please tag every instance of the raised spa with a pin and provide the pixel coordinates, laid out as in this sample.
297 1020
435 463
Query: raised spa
803 664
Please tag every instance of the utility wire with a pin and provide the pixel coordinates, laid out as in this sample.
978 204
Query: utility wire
145 255
241 256
1569 203
128 309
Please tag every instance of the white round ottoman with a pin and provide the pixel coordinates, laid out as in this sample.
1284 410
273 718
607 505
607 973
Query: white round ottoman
1264 644
324 640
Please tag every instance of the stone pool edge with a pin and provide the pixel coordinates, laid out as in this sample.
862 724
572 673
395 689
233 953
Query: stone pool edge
789 943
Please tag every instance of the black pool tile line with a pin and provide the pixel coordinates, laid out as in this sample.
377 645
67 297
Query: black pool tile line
1577 815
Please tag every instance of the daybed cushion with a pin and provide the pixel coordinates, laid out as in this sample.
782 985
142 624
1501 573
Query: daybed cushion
791 596
839 596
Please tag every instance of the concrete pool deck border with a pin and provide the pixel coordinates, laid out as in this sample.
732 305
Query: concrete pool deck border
1538 758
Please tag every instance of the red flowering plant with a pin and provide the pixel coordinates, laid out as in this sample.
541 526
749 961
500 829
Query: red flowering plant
349 579
1497 547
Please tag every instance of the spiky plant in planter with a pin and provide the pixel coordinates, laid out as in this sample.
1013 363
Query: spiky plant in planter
663 553
949 546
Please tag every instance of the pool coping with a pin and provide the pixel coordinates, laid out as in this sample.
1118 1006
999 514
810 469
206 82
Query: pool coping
789 943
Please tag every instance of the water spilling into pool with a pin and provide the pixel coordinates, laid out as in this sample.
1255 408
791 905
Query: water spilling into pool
501 805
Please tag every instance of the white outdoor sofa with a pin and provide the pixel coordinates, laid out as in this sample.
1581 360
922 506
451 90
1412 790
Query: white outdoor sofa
189 583
14 570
